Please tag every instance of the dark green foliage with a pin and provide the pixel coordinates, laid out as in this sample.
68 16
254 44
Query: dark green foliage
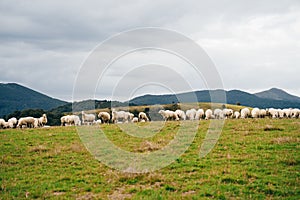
173 107
16 97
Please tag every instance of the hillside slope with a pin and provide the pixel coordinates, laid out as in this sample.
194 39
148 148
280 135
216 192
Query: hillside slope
232 97
277 94
16 97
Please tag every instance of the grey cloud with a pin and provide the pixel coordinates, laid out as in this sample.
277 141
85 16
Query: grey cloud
254 44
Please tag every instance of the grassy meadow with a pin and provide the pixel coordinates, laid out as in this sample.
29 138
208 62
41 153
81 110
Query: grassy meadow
253 159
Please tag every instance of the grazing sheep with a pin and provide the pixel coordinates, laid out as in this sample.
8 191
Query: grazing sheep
88 118
181 115
199 114
280 113
65 120
6 125
131 116
287 112
70 120
27 122
236 114
168 115
228 113
245 112
209 114
122 116
262 113
143 116
272 112
42 120
98 121
36 123
13 122
104 116
135 120
2 123
295 113
191 114
218 113
255 113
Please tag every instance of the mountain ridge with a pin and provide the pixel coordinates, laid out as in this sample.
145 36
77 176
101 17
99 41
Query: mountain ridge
277 94
14 97
232 97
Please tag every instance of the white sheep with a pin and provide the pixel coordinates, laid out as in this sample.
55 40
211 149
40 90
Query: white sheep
287 112
13 122
236 114
191 114
122 116
228 113
245 112
262 113
143 116
169 115
42 120
272 112
255 113
218 113
199 114
280 113
64 120
3 123
87 118
295 113
98 121
6 125
104 116
181 115
76 120
36 123
135 120
209 114
131 116
70 120
27 122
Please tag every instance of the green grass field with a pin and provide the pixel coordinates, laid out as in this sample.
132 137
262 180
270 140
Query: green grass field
254 158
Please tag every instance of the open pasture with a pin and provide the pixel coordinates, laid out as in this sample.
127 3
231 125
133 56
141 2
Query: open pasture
253 158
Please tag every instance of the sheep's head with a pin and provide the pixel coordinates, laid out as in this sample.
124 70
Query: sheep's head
131 116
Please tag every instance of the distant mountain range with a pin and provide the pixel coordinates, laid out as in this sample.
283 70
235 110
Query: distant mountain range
271 98
14 97
277 94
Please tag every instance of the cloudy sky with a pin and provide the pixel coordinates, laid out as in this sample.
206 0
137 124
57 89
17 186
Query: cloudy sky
254 45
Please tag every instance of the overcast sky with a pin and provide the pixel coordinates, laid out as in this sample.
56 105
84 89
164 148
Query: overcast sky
255 45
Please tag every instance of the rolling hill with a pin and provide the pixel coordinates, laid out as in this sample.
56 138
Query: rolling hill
16 97
233 97
277 94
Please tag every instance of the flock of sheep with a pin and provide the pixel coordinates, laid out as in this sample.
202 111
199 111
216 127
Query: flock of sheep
29 122
103 117
167 115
